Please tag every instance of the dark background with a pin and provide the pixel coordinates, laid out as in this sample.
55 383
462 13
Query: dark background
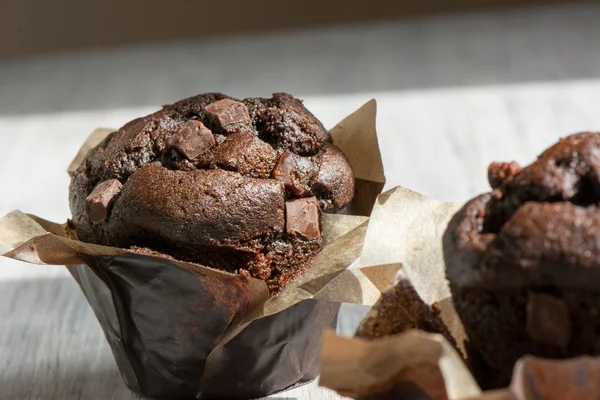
30 27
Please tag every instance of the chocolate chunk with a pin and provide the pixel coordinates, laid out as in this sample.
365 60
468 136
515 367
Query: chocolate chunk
501 172
231 116
302 218
548 320
246 154
193 140
295 172
99 202
334 184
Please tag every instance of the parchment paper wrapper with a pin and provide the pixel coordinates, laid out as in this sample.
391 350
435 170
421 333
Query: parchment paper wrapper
181 330
413 365
403 241
405 230
420 366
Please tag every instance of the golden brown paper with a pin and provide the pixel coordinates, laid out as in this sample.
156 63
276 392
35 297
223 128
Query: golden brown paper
403 234
359 285
34 240
414 363
336 225
355 367
16 229
328 264
497 395
356 137
406 228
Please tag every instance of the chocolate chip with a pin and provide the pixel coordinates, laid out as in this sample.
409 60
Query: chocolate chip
501 172
231 116
193 140
302 218
99 202
548 320
295 172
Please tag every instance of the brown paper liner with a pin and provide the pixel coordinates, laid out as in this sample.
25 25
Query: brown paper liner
354 136
181 330
415 365
416 362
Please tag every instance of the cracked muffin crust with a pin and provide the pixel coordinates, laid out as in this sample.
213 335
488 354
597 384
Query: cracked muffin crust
237 185
523 261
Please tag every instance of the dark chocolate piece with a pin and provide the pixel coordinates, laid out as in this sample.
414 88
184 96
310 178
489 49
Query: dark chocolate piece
231 116
295 172
302 218
99 202
548 320
330 187
246 154
192 140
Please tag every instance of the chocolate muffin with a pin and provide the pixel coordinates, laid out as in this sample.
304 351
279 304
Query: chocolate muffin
400 308
237 185
523 261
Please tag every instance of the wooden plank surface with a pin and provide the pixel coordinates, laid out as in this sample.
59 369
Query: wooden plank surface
454 93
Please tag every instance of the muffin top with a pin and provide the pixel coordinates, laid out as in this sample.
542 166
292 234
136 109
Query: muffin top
540 225
232 184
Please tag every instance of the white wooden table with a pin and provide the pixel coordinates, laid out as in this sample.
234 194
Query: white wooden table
454 93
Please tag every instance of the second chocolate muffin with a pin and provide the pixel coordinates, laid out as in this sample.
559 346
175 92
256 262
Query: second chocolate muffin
524 260
237 185
399 309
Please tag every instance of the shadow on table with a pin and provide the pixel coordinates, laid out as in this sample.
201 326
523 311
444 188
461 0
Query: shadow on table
84 386
52 347
523 45
51 344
